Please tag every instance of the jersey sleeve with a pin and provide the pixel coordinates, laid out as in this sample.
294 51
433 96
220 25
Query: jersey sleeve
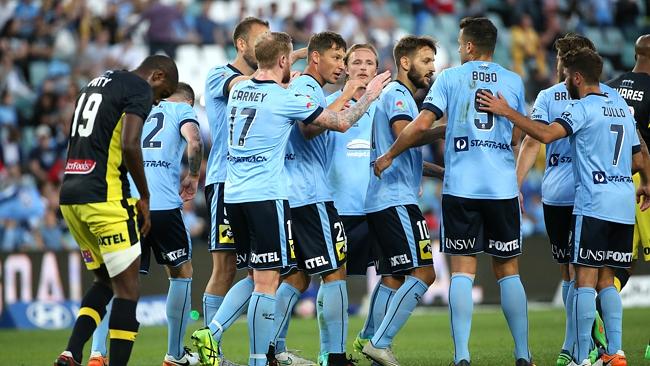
138 98
436 99
396 105
573 118
540 108
218 81
185 113
299 108
521 98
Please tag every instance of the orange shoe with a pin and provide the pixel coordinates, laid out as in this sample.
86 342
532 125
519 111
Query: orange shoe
97 359
617 359
66 359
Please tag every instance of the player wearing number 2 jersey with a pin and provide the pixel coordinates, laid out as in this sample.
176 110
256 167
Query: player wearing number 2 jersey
95 197
480 210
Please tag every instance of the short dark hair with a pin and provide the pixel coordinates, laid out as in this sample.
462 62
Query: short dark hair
163 63
572 41
585 61
243 27
185 90
481 32
270 46
361 46
323 41
409 45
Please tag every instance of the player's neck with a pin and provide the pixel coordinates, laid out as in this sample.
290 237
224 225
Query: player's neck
269 74
642 67
404 79
589 89
484 58
313 72
241 65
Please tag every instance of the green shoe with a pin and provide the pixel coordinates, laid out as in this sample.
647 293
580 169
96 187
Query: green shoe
564 358
322 358
594 355
647 352
206 346
598 332
359 343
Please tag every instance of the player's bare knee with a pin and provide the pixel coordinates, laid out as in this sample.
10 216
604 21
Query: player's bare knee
425 274
183 270
336 275
393 282
298 280
504 267
267 281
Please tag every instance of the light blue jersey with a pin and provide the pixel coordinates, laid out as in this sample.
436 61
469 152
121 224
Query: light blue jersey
603 139
557 185
261 117
162 152
348 164
400 183
306 159
478 156
558 188
216 98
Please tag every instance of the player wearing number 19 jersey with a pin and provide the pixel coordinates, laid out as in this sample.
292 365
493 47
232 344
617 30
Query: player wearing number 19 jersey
95 197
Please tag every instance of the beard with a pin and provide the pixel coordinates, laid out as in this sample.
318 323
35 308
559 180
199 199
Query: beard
286 77
573 90
417 78
250 61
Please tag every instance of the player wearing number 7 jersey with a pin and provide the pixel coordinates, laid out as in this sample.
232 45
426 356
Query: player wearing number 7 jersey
480 209
96 202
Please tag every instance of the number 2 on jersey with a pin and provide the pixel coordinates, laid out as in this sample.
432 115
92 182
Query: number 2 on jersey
88 108
147 142
489 117
250 118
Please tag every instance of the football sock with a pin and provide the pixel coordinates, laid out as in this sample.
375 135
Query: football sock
584 315
401 306
515 309
570 327
285 299
261 309
123 328
461 307
178 314
565 290
101 333
368 329
610 302
335 315
211 304
323 332
384 296
91 312
232 307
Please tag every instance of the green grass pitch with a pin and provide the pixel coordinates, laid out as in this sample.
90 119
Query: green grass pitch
425 340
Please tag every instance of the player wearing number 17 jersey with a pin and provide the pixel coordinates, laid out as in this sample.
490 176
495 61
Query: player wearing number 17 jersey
480 209
96 202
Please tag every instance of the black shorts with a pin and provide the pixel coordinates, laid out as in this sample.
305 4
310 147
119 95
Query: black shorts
263 233
321 244
599 243
471 226
558 226
221 236
402 237
360 244
168 239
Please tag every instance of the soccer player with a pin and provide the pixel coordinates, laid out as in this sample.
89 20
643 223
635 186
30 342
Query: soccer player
261 218
603 213
558 190
96 202
480 208
634 87
403 247
320 236
171 126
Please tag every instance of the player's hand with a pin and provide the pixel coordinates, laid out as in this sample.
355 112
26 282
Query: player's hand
351 88
188 187
375 86
298 54
493 104
143 216
644 190
382 163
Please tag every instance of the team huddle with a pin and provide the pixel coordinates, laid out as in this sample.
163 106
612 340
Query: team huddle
300 184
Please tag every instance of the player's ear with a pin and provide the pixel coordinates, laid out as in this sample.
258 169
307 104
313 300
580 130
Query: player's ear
315 55
405 63
241 44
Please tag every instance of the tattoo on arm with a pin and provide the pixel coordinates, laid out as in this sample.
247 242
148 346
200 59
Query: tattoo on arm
194 147
341 121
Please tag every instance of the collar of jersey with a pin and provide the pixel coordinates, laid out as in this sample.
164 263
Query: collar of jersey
311 76
258 81
235 69
597 94
405 87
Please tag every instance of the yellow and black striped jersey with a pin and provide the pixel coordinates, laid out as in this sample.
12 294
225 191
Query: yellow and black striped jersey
94 170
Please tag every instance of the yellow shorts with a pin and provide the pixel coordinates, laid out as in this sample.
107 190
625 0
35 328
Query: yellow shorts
641 229
106 232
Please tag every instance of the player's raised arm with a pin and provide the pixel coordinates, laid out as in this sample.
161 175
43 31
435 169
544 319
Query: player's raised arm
343 120
539 131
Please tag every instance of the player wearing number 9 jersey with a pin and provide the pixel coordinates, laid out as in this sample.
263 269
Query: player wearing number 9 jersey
96 202
480 209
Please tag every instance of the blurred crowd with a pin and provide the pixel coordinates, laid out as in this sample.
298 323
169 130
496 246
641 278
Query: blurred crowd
51 48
